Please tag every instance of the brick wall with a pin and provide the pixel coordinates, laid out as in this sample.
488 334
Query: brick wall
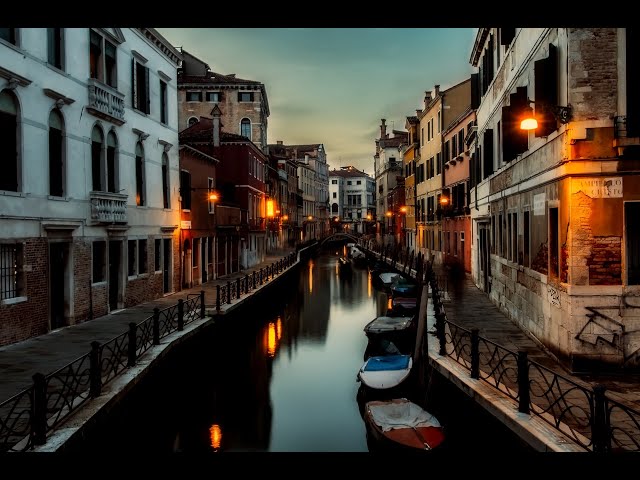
605 261
31 318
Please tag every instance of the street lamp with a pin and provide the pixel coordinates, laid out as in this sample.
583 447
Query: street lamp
560 113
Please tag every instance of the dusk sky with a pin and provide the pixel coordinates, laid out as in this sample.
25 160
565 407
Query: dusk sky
333 85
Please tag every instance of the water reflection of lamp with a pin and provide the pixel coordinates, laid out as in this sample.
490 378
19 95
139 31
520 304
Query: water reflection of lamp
215 434
310 277
272 341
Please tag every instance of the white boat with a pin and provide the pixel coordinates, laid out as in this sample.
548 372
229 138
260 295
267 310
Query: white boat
387 278
385 371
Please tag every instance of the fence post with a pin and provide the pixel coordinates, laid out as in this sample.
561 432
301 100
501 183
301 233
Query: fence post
228 291
218 298
440 332
475 353
156 326
95 384
253 280
39 409
599 427
180 315
238 288
132 345
524 395
261 273
202 309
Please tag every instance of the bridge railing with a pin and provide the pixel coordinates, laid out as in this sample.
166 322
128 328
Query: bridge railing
586 414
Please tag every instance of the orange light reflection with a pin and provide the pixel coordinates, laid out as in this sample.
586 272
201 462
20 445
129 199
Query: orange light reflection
272 342
215 433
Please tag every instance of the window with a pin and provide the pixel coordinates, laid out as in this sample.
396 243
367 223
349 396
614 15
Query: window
97 141
245 128
157 254
554 242
140 196
213 96
334 182
140 87
11 273
193 121
165 180
525 237
499 246
56 154
55 47
99 261
335 195
438 123
9 134
112 163
163 103
9 35
488 153
142 256
348 182
245 96
632 227
194 96
131 258
421 136
358 182
185 189
103 63
514 237
546 92
211 187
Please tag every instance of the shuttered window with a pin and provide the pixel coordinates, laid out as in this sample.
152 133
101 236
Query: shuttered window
140 87
546 92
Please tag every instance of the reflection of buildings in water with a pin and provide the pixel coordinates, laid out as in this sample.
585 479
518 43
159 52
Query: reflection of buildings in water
314 311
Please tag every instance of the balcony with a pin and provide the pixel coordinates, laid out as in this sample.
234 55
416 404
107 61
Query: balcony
105 102
107 207
257 224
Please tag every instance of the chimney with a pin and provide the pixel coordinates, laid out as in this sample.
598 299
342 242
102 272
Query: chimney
437 89
427 98
418 112
217 113
279 142
383 129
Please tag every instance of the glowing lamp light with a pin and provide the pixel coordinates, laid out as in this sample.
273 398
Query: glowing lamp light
403 209
444 200
529 124
213 197
369 217
215 433
285 217
270 208
336 219
389 214
310 217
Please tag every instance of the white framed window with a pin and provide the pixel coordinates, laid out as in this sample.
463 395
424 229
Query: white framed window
103 64
245 128
213 97
55 47
11 272
194 96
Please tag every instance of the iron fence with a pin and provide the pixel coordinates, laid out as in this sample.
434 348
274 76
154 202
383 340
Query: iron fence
589 416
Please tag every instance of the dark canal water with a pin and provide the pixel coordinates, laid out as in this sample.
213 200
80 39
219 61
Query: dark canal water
280 378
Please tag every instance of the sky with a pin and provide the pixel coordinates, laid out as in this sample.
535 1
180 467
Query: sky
334 85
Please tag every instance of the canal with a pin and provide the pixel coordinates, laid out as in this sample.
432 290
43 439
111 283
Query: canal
280 378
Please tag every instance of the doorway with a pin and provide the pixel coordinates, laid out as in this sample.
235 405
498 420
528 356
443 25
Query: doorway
483 257
115 254
59 283
203 259
166 263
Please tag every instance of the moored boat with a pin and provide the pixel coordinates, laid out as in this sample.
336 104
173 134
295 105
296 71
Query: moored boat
400 330
400 423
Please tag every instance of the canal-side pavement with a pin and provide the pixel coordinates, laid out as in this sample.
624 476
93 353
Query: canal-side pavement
49 352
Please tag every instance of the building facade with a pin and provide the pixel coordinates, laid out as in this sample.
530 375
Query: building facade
554 207
410 157
352 203
387 166
89 194
243 103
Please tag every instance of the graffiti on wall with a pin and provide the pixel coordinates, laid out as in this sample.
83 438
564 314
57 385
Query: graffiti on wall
601 327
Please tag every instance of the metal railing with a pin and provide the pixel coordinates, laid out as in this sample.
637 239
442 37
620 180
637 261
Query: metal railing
27 418
225 294
587 415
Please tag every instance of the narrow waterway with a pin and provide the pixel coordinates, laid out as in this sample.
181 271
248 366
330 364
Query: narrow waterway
281 378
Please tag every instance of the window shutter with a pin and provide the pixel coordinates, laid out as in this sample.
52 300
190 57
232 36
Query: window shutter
546 92
147 97
488 152
633 77
520 137
134 90
507 35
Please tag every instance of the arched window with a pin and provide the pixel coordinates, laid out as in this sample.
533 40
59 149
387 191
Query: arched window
9 135
245 128
112 162
56 154
97 141
193 121
334 208
165 180
140 197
